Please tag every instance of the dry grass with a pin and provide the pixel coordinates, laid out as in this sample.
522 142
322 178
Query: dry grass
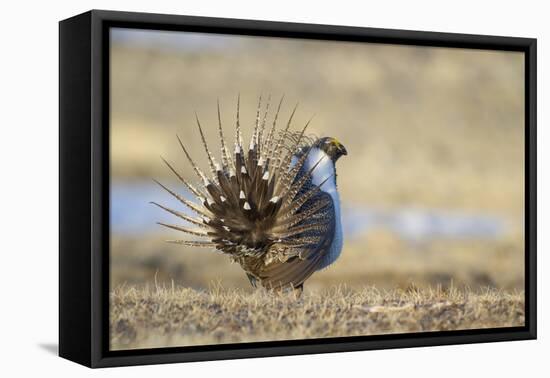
169 316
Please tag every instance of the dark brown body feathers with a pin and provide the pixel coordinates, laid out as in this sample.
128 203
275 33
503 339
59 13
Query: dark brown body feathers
259 206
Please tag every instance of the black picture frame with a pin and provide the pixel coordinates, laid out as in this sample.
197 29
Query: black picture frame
84 188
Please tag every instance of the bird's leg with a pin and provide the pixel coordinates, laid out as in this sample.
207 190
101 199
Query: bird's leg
289 290
252 280
298 290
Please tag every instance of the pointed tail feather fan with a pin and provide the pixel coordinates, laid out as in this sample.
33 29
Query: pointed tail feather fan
259 206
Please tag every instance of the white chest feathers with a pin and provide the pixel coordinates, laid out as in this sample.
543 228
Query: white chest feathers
326 169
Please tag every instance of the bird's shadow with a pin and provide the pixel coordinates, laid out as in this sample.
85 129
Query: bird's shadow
50 348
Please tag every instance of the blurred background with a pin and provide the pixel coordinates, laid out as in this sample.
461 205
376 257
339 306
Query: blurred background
432 189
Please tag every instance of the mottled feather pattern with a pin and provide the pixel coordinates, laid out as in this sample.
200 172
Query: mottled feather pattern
259 205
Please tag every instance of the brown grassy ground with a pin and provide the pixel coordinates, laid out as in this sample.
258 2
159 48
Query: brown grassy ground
160 317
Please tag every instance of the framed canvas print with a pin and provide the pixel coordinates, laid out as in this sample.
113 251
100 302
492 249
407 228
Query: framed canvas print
234 188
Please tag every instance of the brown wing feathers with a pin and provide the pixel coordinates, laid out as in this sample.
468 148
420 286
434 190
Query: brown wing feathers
250 204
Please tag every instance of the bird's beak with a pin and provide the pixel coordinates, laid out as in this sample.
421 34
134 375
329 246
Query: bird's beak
337 149
342 149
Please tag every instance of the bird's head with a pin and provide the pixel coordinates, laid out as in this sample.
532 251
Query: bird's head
332 147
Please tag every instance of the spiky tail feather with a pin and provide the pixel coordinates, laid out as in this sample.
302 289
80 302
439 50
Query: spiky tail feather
250 204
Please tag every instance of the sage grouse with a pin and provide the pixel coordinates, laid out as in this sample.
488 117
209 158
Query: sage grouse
273 208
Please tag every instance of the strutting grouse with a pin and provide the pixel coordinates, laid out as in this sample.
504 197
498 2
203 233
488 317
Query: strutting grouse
273 208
